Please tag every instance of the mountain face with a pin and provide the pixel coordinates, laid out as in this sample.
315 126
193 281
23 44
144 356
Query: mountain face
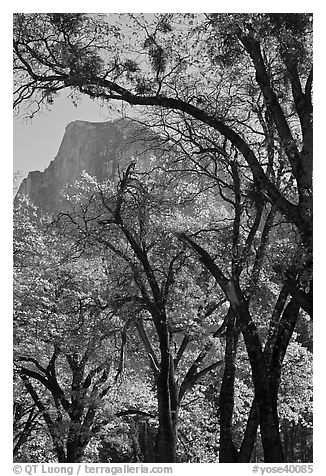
102 149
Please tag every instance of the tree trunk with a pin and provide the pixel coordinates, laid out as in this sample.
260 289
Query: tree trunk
21 439
166 447
75 447
274 352
228 452
285 441
147 439
60 452
266 401
167 439
249 439
304 180
268 421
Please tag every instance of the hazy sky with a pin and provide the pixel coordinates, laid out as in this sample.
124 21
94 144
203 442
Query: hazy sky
36 141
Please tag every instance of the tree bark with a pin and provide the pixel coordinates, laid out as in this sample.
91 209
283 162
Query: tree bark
268 421
75 447
274 352
249 439
167 439
228 452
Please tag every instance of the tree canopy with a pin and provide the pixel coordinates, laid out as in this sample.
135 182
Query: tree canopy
206 254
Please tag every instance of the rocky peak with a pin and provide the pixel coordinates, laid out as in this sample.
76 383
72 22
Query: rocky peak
100 148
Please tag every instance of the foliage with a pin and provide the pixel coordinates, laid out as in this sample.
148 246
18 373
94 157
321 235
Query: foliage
211 244
296 386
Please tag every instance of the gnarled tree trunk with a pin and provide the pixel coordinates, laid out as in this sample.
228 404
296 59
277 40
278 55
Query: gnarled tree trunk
167 410
228 452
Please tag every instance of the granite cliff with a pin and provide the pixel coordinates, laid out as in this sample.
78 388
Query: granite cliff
101 149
